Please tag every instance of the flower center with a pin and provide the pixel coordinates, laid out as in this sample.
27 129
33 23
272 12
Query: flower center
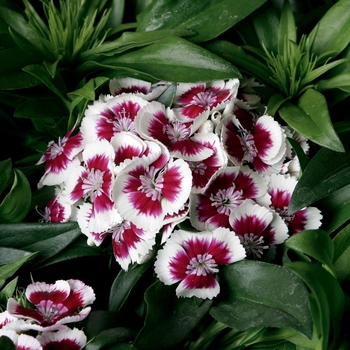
226 200
92 184
248 145
177 132
204 99
202 265
56 148
253 244
198 168
151 186
51 311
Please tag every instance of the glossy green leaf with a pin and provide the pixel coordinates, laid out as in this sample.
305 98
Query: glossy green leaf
8 255
117 12
287 27
20 235
188 63
8 270
342 254
275 102
314 243
88 90
169 316
319 181
328 298
6 176
48 248
124 283
254 294
196 16
340 81
310 118
16 203
240 58
332 31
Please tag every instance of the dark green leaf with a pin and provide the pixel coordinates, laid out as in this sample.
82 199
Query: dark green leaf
8 291
342 254
328 299
117 12
111 336
314 243
16 204
196 16
8 255
340 81
332 30
275 102
254 295
8 270
123 284
318 180
6 176
310 118
302 157
6 343
171 317
25 234
187 63
240 58
167 97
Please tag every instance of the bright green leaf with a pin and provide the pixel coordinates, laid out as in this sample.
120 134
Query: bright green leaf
275 102
332 31
254 295
8 270
310 118
188 63
287 27
340 81
8 291
16 204
196 16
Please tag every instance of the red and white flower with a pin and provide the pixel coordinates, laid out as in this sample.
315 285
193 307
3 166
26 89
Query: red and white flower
281 188
147 190
226 190
70 339
192 99
104 119
55 305
60 159
257 228
261 144
193 259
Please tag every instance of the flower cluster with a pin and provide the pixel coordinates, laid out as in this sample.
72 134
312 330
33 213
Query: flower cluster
142 163
52 306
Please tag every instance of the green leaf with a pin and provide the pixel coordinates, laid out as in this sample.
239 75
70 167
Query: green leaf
318 180
287 27
167 96
327 299
88 90
310 118
332 31
6 343
275 102
302 157
123 284
12 60
240 58
340 81
254 295
6 176
171 317
314 243
20 235
8 255
8 291
16 204
196 16
8 270
187 63
111 336
342 254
